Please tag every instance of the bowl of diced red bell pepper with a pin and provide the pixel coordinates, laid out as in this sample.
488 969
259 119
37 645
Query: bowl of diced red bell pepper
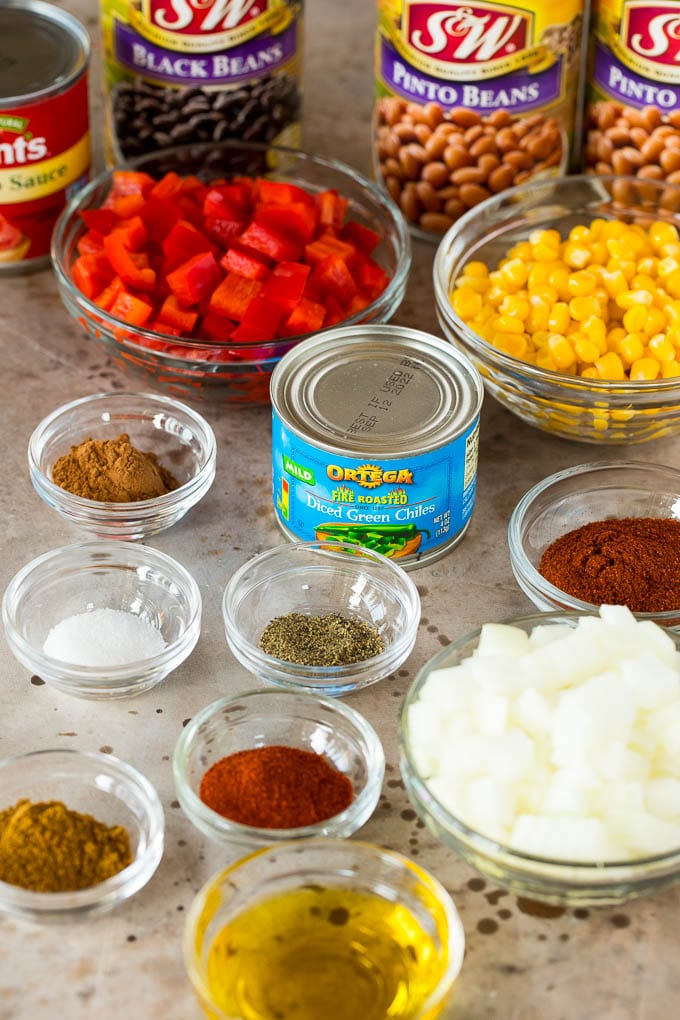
199 267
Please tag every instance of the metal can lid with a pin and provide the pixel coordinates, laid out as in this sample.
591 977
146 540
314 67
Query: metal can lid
42 49
376 389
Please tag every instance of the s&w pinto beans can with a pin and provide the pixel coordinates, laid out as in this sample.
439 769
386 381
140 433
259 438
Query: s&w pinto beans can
633 92
45 151
471 98
180 72
375 433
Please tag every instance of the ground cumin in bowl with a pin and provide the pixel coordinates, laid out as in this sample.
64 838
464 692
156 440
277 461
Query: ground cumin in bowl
122 465
601 534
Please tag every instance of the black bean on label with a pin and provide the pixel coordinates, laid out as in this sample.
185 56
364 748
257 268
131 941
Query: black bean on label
148 117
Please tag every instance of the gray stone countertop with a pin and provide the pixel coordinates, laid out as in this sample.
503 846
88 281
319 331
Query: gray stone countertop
618 964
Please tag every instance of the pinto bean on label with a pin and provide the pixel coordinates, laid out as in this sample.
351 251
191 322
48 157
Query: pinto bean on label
438 163
630 142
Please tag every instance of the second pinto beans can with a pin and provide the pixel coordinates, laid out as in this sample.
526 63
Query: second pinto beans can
375 432
471 99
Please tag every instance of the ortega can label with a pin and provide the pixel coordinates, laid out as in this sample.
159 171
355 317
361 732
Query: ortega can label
44 126
472 98
189 71
375 431
633 108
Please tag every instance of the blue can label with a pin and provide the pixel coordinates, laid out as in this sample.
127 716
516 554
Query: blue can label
403 507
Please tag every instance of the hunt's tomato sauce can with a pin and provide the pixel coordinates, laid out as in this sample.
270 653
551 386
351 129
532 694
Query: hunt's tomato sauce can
472 98
44 126
633 108
180 72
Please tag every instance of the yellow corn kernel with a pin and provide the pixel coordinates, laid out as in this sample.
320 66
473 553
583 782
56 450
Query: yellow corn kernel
662 348
466 302
559 318
594 328
647 266
582 283
630 348
590 373
634 318
582 308
612 228
661 233
579 233
656 321
614 282
672 283
576 255
561 351
548 237
666 266
495 295
522 250
645 368
643 281
513 344
480 284
559 279
544 293
476 269
610 366
507 324
538 318
539 338
598 253
634 297
516 306
544 360
670 369
514 273
586 351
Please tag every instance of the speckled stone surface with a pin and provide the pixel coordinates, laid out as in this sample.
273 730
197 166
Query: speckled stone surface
616 964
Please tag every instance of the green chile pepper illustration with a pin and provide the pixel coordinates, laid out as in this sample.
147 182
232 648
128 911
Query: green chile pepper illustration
391 540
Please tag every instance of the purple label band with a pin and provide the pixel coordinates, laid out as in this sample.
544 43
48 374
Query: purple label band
619 82
519 92
251 60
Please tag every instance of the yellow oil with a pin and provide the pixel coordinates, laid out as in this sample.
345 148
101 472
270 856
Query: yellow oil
325 954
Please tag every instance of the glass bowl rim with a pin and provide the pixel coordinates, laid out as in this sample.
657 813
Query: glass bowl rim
364 849
16 899
485 844
443 286
523 565
404 586
142 555
372 753
378 196
200 425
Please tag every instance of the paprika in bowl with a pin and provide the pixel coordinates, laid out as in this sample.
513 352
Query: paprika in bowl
601 533
265 766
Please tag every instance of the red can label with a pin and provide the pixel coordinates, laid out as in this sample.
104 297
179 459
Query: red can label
44 158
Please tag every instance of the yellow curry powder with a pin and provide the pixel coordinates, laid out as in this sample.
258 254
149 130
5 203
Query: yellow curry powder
48 848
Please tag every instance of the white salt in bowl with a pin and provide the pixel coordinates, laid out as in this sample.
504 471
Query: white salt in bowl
181 438
92 576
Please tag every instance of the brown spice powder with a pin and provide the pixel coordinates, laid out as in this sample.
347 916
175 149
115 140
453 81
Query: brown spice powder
112 471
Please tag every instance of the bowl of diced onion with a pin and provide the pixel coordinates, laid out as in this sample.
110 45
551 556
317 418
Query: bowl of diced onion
544 751
562 293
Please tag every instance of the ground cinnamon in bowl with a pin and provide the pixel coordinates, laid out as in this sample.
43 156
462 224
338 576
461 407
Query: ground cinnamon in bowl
112 471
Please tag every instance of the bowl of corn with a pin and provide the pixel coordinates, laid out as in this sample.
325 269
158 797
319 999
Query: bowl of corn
566 296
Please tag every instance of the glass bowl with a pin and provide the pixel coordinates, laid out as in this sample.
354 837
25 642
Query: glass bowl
231 373
315 578
540 878
183 441
282 718
96 575
593 411
91 783
569 499
396 955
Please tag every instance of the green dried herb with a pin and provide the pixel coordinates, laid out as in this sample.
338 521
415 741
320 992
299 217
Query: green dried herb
328 640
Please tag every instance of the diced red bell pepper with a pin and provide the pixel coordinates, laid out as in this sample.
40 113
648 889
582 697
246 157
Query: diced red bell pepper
326 245
195 279
90 243
92 273
125 206
334 278
335 313
371 278
133 310
158 326
133 233
159 216
224 231
263 315
297 219
233 296
216 327
128 182
244 263
332 208
286 284
124 265
365 239
183 241
171 313
250 334
358 303
106 298
102 220
281 192
169 186
271 243
227 201
306 317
